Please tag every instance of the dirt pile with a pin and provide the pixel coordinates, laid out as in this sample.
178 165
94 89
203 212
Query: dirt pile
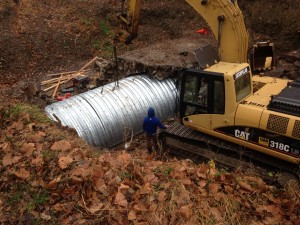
49 176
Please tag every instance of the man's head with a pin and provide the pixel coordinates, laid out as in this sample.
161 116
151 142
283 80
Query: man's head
151 112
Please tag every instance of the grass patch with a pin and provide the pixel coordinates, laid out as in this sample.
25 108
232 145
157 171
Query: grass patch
164 170
48 155
22 191
126 175
105 28
35 113
37 199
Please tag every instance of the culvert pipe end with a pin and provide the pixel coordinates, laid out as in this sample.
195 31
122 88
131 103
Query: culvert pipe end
106 116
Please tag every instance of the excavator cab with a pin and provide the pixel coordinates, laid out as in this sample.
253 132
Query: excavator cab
202 92
209 98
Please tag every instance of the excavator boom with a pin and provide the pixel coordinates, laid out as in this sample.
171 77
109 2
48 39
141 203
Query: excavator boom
227 24
224 18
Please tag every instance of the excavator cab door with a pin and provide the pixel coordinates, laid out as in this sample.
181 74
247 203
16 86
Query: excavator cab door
202 94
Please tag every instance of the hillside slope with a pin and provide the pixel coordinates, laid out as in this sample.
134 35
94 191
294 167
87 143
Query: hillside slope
39 36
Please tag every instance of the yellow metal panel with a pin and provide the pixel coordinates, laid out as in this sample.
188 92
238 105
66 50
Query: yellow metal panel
272 86
200 120
265 119
227 68
248 116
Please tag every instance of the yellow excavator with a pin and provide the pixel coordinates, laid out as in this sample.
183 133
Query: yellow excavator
226 111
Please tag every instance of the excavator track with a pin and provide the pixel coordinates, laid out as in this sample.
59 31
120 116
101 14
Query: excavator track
188 143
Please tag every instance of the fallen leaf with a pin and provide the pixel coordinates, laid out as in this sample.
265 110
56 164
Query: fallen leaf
38 161
202 183
53 183
97 172
77 155
103 188
62 145
37 137
123 188
145 189
95 207
37 183
121 200
214 188
150 177
123 159
18 125
5 147
80 173
59 207
245 185
8 159
22 173
275 210
132 215
161 196
64 162
28 149
186 211
186 181
45 216
216 213
140 207
256 180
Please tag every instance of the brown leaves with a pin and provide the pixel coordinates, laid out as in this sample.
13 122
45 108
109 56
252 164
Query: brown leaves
125 188
8 159
28 148
22 174
145 189
186 211
62 145
120 199
273 210
245 186
64 162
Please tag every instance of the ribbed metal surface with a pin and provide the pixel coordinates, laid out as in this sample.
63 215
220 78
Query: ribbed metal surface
104 115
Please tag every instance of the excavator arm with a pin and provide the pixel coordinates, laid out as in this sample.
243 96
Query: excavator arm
129 21
227 24
224 18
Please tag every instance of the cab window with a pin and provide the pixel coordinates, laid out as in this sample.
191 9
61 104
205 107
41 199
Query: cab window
242 86
202 95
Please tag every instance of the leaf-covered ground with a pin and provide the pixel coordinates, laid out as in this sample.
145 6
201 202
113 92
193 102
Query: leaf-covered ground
50 176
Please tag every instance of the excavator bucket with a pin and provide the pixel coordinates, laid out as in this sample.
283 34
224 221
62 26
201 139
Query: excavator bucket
263 56
206 56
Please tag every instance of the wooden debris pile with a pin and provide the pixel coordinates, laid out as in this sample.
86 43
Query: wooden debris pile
65 80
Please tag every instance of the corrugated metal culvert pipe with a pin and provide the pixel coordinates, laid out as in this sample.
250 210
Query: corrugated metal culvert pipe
106 116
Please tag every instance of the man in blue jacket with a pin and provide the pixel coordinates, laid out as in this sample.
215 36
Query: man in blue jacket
151 122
